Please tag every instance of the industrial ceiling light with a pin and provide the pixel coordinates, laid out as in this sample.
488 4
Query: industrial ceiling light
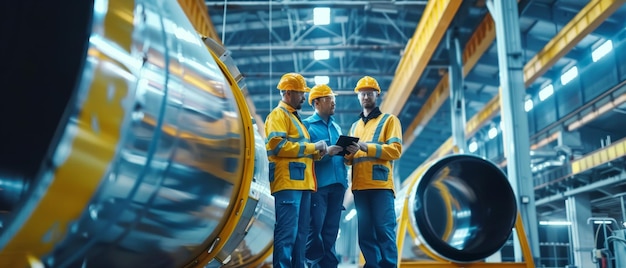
321 79
321 54
473 146
321 16
546 92
569 75
602 50
555 223
528 105
493 132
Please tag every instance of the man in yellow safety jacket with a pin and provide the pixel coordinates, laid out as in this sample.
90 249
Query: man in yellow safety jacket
380 142
291 154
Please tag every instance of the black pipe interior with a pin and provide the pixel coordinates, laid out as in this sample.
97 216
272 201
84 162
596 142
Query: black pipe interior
486 208
43 46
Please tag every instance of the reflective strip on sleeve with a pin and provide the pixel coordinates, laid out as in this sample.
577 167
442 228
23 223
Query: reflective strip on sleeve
394 139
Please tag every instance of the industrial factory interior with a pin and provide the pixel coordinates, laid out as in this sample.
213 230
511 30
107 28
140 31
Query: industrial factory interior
133 131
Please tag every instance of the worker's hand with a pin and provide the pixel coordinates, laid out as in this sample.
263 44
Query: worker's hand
321 146
362 146
353 148
334 149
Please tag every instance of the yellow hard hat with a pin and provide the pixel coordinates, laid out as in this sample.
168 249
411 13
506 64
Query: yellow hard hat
294 82
319 91
367 82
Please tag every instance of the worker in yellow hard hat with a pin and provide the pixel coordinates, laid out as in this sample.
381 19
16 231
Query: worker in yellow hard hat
331 174
380 143
291 154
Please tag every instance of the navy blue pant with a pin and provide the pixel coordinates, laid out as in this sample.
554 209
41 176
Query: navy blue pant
326 208
375 210
293 209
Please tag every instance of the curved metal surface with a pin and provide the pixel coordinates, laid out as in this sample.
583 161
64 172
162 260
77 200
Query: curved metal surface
461 209
148 161
257 243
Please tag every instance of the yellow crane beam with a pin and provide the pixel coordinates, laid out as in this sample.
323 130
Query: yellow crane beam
585 22
477 45
430 30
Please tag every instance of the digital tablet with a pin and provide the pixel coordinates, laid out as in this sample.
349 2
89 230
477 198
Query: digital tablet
344 141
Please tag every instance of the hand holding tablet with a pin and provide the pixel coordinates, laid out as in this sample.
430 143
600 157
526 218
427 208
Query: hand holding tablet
345 141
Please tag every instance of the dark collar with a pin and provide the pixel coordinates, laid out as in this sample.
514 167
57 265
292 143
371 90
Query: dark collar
375 113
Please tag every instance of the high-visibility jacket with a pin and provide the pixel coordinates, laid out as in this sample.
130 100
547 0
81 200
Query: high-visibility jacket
289 150
373 169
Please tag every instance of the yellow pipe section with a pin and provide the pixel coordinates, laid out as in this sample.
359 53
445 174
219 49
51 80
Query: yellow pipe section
583 23
476 46
432 26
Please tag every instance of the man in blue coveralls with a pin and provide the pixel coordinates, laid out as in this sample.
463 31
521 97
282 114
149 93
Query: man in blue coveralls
331 174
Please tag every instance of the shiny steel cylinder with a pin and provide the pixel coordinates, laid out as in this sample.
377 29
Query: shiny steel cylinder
461 209
131 144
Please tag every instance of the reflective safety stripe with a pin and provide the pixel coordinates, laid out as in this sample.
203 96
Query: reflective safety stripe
302 147
379 127
271 153
394 139
295 123
379 150
275 134
301 140
363 159
279 146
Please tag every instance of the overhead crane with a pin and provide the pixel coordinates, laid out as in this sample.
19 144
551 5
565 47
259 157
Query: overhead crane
585 22
121 183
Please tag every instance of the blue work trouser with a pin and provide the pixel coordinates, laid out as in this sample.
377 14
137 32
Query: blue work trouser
326 208
292 208
376 215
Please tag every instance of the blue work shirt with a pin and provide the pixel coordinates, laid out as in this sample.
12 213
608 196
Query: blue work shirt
330 169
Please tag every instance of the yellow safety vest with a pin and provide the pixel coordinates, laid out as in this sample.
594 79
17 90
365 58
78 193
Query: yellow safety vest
289 150
373 169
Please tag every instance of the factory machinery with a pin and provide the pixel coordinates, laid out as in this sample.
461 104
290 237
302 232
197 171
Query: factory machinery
131 145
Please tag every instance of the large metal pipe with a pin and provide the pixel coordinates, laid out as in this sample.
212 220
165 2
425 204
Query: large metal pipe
131 144
461 209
